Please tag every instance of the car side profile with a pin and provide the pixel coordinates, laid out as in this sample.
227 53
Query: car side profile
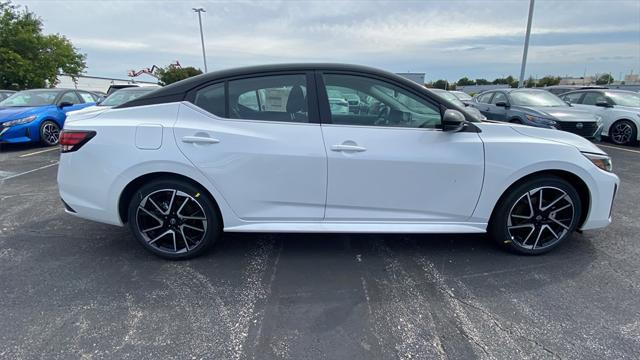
38 115
184 163
619 109
537 108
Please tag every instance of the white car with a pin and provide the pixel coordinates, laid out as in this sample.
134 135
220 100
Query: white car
619 109
184 163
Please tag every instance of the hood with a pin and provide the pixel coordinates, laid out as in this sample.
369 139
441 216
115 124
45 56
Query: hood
16 112
562 113
559 136
628 108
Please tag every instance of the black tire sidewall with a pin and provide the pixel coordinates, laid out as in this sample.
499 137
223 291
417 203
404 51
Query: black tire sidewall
498 224
42 140
208 205
634 133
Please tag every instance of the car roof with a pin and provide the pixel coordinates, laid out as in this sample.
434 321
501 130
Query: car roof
172 92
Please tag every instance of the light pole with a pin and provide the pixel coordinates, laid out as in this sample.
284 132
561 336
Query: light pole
204 54
526 44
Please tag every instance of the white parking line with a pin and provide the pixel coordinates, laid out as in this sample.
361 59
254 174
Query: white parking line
28 172
39 152
620 148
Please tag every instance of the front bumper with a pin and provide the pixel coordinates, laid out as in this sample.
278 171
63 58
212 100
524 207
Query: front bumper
586 129
18 134
602 198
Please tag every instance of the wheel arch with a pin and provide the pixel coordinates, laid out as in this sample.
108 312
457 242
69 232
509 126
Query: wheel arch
575 180
135 184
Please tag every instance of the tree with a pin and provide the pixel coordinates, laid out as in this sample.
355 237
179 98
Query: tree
482 82
604 79
530 83
548 81
440 84
172 73
30 59
465 81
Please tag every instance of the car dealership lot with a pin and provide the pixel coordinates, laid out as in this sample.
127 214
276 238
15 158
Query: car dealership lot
73 288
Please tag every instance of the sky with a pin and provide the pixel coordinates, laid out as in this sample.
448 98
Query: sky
444 39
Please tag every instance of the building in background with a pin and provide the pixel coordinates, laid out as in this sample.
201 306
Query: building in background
415 77
95 83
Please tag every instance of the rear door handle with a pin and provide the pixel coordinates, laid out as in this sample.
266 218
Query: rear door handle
354 148
199 140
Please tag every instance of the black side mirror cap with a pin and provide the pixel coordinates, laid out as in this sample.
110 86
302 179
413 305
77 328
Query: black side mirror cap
453 121
604 104
64 104
502 104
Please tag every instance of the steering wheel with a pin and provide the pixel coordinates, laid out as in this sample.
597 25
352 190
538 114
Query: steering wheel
383 114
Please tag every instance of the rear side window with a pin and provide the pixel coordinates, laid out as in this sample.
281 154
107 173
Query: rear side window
86 97
269 98
211 99
573 98
592 98
485 98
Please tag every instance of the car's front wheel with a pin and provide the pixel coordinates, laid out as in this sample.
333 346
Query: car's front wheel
536 215
623 132
174 219
49 133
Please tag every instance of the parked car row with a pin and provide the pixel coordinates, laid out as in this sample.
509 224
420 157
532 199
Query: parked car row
38 115
591 112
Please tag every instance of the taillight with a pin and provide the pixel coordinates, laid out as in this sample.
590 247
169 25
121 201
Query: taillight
72 140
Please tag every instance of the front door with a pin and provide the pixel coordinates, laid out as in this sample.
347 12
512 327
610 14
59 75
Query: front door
391 161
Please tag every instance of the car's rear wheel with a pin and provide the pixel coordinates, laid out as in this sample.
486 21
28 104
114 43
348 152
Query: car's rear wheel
49 133
623 132
536 216
174 219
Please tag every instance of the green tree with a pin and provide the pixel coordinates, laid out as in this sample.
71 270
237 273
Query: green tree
482 82
530 83
172 73
465 81
440 84
548 81
604 79
29 58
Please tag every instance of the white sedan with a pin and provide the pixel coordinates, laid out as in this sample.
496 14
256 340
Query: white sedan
188 161
619 109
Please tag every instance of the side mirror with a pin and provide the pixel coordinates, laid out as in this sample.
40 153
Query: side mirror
603 104
502 104
64 104
453 120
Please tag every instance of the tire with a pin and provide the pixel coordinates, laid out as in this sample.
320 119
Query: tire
49 133
519 224
167 209
623 132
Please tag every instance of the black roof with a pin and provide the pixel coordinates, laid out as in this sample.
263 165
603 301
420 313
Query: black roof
176 91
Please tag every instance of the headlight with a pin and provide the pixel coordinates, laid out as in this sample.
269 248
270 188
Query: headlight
541 120
601 161
21 121
599 119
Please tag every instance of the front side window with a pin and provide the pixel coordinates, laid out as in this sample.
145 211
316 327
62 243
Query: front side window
372 102
485 98
592 98
572 98
210 99
269 98
499 97
69 97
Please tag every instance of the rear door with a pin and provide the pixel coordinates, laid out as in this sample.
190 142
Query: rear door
483 103
262 147
391 161
499 112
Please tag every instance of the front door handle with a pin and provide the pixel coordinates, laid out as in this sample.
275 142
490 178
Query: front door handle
199 140
343 147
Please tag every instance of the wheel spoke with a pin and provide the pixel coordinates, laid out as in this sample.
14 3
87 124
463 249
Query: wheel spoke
192 217
554 212
559 223
157 207
192 227
531 212
537 238
184 238
150 214
173 196
161 236
550 229
553 202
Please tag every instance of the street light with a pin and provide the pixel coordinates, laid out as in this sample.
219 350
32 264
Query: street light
204 54
526 44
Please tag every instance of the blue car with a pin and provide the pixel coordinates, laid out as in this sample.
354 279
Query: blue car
38 115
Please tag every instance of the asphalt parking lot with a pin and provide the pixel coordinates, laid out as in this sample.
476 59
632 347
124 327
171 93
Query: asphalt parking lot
71 288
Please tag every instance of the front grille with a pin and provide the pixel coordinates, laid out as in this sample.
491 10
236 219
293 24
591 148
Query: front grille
588 128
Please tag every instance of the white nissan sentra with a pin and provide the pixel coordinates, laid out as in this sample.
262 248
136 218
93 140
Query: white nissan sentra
259 149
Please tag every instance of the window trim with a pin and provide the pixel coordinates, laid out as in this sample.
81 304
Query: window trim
325 108
63 93
581 93
492 93
312 106
506 96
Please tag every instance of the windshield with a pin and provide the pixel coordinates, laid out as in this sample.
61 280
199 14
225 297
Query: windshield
461 95
625 99
122 96
535 98
31 98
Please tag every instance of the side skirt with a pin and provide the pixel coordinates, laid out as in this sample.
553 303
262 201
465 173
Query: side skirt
359 227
